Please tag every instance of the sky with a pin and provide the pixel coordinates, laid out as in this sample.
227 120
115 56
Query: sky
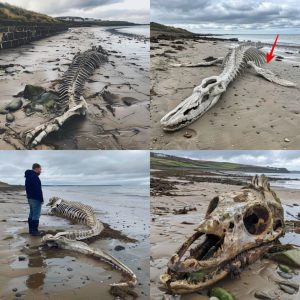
229 16
284 159
77 167
129 10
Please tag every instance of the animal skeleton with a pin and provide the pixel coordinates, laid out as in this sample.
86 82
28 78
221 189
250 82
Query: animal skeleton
71 101
208 93
238 228
70 240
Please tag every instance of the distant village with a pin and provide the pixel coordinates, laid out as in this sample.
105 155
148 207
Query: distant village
77 19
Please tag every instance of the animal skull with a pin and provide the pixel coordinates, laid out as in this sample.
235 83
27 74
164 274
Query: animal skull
239 227
203 98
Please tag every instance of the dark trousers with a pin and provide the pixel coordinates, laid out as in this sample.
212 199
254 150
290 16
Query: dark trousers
35 207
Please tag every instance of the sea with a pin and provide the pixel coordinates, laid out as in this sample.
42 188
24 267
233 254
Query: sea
286 180
142 30
284 40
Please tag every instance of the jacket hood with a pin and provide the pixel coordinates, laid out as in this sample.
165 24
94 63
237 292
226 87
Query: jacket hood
29 173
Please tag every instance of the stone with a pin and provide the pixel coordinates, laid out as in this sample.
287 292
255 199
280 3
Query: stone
22 258
119 248
3 111
221 294
14 105
287 140
32 92
288 257
2 130
10 118
287 289
39 108
285 275
262 296
70 269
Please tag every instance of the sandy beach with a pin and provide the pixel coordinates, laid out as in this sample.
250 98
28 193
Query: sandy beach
252 114
31 272
169 231
116 119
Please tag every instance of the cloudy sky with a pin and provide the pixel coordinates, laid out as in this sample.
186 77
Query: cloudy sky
229 16
286 159
128 10
77 167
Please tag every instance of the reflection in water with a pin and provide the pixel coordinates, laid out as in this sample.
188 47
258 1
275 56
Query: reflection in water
36 280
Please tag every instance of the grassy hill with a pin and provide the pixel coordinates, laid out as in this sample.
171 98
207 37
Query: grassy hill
13 13
168 29
159 161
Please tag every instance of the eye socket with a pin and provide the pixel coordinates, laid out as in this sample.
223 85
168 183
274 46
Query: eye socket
208 82
256 219
231 225
212 205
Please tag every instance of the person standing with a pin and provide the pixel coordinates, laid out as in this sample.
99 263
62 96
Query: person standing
35 198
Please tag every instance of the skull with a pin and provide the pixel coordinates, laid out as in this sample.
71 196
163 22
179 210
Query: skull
239 227
204 96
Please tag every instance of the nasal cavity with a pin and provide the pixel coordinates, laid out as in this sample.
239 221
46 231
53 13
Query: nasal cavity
208 82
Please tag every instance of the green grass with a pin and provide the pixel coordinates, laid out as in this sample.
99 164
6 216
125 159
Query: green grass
160 27
180 162
14 13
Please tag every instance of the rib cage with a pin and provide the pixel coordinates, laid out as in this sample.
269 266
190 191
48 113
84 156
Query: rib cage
79 213
82 67
237 60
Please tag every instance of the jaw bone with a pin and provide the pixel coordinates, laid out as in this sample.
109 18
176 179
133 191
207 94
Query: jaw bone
239 227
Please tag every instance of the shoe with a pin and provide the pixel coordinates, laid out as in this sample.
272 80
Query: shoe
30 225
35 228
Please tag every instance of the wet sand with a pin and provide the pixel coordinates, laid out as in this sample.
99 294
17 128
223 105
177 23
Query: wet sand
61 274
252 114
118 120
168 232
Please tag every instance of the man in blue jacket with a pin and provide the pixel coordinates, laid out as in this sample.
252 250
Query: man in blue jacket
35 198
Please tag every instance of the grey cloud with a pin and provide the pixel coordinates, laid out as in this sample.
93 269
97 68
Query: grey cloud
129 10
234 14
78 167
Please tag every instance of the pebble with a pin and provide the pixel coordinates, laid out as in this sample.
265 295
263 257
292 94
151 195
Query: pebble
14 289
119 248
287 140
285 275
70 269
22 258
2 130
262 296
14 105
10 118
187 135
18 295
287 289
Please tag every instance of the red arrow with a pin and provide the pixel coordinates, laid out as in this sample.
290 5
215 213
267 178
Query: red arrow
270 55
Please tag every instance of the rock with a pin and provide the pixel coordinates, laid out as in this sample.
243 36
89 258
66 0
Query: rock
22 258
288 257
32 92
213 298
284 269
285 275
262 296
10 118
287 140
14 105
3 111
39 108
18 295
14 289
221 294
2 130
70 269
119 248
287 289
